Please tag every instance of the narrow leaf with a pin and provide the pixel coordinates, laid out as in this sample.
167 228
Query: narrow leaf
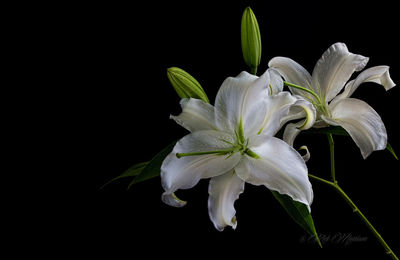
299 213
390 149
131 172
152 169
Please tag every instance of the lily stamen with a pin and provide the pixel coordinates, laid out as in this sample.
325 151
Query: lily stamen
221 152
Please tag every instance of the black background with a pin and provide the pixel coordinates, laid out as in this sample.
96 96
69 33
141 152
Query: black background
110 61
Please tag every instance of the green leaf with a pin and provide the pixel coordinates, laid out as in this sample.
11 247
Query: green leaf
131 172
152 169
338 130
299 213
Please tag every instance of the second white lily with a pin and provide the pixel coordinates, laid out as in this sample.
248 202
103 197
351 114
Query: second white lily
329 77
232 143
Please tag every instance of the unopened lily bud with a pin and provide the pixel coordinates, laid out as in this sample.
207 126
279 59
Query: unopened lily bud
251 40
185 85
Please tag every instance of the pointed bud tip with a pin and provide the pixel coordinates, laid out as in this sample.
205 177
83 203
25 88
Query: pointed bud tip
248 9
171 70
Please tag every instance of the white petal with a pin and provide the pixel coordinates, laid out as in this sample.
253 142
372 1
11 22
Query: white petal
185 172
196 115
223 191
277 108
300 109
280 168
334 69
362 122
276 82
378 74
292 72
241 98
291 132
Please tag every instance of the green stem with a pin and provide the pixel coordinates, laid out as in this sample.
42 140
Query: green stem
366 222
332 154
359 213
321 180
336 186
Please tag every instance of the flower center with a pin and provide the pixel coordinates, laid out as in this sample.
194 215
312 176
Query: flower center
238 147
322 108
317 100
241 146
242 142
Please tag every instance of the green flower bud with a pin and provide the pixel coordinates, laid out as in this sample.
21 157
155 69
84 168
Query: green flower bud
185 85
251 40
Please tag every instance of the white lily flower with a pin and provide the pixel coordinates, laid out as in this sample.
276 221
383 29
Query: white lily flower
232 143
329 77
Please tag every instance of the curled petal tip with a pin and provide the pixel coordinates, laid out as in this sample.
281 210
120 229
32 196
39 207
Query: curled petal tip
172 200
234 222
307 156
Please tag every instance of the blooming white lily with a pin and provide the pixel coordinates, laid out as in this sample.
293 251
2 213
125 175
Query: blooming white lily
329 77
232 143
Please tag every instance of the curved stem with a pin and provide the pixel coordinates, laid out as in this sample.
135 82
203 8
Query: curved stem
367 223
358 212
321 180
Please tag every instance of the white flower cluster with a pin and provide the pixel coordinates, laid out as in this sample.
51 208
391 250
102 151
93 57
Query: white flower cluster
234 141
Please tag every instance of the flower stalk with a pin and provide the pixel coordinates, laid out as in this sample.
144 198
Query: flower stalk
334 184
